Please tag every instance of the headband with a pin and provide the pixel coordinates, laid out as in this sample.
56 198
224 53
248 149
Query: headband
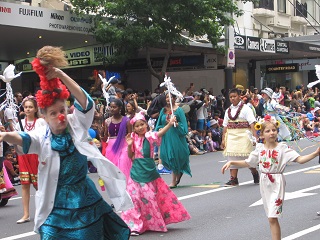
50 89
137 116
267 118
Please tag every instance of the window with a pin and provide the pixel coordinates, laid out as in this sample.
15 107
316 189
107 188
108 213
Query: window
267 4
282 6
301 9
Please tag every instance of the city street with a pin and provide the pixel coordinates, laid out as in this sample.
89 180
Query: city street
218 212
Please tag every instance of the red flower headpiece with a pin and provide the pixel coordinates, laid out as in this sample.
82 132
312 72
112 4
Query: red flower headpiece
50 89
267 117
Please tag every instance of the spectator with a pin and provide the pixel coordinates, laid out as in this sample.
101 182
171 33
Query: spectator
12 173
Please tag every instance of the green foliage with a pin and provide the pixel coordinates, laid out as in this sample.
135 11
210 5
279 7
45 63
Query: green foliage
130 25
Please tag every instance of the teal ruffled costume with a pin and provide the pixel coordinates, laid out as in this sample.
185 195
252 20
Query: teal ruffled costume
174 151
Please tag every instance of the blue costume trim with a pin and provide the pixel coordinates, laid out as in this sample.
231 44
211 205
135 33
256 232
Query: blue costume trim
90 103
26 141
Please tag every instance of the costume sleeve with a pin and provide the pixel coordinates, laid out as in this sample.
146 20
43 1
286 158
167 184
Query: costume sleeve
160 122
83 117
225 119
249 114
253 158
182 122
89 103
153 138
26 141
289 154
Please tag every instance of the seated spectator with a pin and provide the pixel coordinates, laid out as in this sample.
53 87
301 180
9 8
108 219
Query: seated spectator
199 140
12 174
191 144
210 145
216 133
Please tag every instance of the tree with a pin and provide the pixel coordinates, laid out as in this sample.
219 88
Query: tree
132 25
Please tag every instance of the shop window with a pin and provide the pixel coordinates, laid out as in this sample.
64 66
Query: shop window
282 6
267 4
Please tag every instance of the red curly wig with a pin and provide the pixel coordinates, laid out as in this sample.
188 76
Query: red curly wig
51 89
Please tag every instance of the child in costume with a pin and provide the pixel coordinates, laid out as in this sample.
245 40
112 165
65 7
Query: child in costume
28 163
238 119
155 205
271 107
68 205
272 158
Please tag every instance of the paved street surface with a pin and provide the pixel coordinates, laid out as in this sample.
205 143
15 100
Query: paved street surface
218 212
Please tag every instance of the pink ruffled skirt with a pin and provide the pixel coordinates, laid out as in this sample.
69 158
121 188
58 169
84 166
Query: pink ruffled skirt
155 206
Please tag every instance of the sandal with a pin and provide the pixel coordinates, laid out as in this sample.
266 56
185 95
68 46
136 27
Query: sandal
179 178
135 233
172 186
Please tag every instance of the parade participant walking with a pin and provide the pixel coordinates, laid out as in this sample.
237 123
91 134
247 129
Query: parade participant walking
155 205
272 158
235 140
28 163
271 107
68 205
116 128
174 151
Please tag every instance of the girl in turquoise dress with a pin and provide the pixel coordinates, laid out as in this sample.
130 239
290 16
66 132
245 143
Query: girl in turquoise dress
68 205
174 151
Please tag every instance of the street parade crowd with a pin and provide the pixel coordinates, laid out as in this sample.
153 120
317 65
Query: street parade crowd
53 138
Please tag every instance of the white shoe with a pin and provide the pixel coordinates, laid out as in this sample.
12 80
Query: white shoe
23 220
160 166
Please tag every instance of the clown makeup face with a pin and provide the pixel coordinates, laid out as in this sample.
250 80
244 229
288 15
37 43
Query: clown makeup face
51 115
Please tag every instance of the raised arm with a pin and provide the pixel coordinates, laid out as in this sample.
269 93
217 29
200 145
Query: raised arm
72 86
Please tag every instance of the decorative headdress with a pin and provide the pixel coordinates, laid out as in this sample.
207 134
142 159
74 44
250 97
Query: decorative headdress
310 85
7 77
137 116
269 118
51 89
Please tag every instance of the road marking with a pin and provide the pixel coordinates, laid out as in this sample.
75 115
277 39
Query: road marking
317 170
23 235
303 232
288 196
244 183
207 186
188 197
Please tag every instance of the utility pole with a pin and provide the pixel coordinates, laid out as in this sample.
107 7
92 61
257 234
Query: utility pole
228 71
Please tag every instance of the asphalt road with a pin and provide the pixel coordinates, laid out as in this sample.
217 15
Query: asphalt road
219 212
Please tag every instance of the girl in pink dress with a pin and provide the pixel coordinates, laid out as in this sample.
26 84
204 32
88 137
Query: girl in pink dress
116 128
155 205
272 158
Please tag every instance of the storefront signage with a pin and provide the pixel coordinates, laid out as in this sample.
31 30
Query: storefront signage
253 44
12 14
240 42
5 9
282 47
211 61
305 64
267 45
30 12
184 61
314 48
282 68
78 57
